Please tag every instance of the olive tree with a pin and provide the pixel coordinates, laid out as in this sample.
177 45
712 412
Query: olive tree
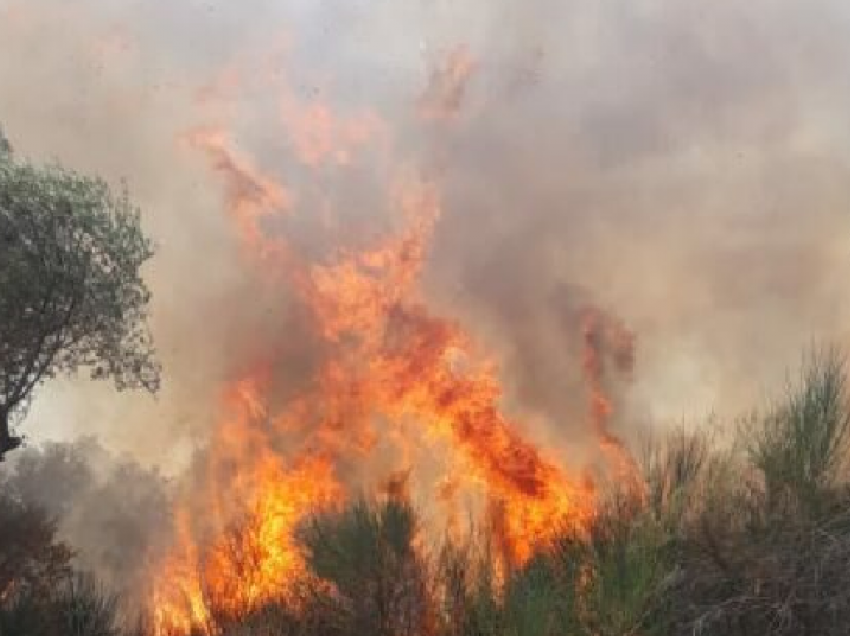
71 292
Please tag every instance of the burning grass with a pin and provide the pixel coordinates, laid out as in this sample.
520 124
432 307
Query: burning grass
744 540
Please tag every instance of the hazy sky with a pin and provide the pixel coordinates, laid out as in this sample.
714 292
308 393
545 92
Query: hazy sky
683 165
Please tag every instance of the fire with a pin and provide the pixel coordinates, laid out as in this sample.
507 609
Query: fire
391 370
320 138
447 88
603 335
253 558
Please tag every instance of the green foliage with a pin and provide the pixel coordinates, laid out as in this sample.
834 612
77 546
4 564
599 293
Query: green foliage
672 469
768 548
628 562
84 609
341 547
540 600
367 554
75 607
801 444
71 291
467 590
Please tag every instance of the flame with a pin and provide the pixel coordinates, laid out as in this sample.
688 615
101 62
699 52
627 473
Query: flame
387 358
251 196
603 335
318 137
448 85
253 558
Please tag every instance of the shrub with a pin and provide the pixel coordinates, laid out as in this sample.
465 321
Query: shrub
367 554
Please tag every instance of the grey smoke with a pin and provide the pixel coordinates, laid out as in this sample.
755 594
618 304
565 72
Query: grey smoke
112 511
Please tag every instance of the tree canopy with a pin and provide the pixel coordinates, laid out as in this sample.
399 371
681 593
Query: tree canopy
71 292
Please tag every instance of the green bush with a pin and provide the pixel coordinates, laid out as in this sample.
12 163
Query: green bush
76 607
768 551
366 552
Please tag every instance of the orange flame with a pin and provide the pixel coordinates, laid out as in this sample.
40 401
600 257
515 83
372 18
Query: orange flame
386 357
448 85
603 335
253 504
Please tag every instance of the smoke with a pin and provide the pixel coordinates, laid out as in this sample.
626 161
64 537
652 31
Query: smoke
112 511
109 95
682 166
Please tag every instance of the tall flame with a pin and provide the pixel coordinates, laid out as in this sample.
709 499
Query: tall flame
603 335
392 370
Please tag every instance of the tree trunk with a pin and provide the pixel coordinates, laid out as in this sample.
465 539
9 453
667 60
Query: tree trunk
8 442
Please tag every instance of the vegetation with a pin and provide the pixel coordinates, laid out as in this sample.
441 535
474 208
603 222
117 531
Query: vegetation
743 541
71 294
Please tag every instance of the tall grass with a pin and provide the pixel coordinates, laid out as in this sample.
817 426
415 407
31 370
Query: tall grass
378 579
77 607
800 447
768 552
